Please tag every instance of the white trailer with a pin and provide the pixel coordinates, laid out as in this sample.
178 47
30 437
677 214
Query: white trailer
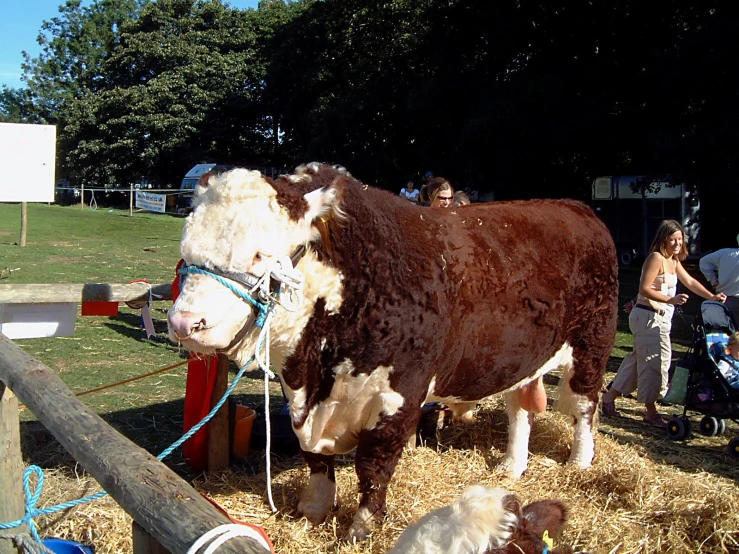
633 206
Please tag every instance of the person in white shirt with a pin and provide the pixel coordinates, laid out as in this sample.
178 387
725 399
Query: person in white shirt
721 268
410 192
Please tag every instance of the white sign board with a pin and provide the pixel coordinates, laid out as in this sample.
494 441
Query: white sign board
33 321
28 157
151 201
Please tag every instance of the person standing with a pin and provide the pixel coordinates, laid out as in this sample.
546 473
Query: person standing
721 269
645 369
410 192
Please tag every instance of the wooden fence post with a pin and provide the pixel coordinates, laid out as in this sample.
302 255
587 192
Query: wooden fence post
219 449
11 468
144 543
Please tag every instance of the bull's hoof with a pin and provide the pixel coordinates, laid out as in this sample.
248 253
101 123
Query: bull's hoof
361 527
315 514
317 499
313 511
358 532
512 468
581 463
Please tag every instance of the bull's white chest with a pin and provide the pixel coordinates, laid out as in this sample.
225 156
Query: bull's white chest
356 402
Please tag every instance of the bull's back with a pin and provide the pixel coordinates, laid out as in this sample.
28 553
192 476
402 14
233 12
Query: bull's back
522 280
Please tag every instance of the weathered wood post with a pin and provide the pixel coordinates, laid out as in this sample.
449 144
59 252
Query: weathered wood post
24 223
11 469
219 449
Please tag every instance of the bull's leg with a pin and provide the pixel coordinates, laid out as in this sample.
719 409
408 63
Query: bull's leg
519 429
377 455
582 408
320 494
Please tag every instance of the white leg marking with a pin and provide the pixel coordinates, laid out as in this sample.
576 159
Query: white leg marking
581 409
361 527
519 429
317 498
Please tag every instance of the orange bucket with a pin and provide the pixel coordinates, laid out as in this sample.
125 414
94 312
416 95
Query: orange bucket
244 420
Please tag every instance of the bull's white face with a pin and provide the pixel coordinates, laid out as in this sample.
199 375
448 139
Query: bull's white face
237 226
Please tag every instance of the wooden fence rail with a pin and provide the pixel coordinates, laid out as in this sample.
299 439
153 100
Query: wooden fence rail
159 501
40 294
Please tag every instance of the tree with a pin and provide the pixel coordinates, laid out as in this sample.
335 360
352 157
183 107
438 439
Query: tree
74 47
184 86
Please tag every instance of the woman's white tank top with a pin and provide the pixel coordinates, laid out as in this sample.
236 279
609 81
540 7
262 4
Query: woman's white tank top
666 283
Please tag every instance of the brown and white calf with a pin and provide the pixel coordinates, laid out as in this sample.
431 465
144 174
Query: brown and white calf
486 520
403 305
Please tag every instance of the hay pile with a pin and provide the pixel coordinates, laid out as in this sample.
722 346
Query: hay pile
630 500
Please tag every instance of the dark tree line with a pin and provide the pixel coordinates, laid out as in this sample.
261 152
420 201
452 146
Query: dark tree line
522 98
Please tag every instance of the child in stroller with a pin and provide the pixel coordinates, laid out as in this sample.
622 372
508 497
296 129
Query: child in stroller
727 358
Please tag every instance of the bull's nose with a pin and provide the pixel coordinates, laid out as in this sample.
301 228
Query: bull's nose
184 324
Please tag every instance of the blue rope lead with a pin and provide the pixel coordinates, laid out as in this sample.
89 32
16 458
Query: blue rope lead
32 498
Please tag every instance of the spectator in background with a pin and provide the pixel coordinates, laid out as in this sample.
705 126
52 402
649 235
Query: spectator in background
473 194
721 268
410 192
437 193
460 199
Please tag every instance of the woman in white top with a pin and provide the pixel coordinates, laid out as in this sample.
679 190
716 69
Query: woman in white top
410 192
646 367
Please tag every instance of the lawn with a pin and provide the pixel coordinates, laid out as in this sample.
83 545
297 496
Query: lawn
76 245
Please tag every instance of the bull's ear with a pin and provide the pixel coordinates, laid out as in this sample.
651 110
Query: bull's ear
324 202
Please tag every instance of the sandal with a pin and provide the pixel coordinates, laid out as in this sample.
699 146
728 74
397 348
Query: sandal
656 420
608 409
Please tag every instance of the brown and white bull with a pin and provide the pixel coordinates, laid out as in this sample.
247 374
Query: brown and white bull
403 305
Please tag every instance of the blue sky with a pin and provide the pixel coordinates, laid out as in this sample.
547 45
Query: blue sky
20 23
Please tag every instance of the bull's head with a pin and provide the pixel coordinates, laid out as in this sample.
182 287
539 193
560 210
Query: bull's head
241 225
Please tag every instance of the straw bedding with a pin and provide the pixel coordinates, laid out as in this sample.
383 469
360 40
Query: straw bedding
644 493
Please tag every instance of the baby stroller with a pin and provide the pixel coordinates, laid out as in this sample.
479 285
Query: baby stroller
697 382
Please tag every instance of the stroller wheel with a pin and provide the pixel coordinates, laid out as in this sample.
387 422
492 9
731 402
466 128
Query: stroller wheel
721 426
679 428
734 448
710 426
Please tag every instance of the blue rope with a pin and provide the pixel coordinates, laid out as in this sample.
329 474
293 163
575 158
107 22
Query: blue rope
263 307
32 498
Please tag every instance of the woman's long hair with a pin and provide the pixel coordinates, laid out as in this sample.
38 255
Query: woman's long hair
667 228
430 191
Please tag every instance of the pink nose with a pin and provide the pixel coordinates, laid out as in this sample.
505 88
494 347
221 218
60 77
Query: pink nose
184 324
